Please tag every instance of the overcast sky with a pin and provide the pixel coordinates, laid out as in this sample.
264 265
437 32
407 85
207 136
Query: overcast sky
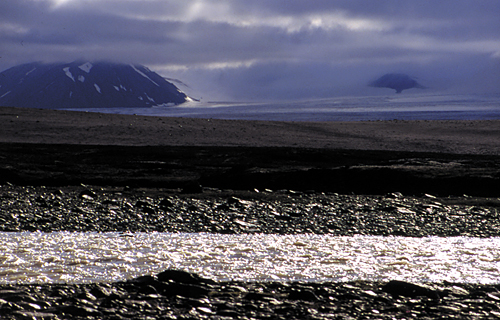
267 49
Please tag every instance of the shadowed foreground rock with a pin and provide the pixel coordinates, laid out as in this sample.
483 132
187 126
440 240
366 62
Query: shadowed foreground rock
175 294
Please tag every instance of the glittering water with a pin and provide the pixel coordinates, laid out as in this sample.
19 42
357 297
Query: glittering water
90 257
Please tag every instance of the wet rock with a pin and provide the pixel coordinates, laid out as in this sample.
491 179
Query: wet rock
87 194
79 311
306 295
242 300
165 203
142 204
144 280
180 277
402 288
33 315
101 291
456 290
185 290
192 187
257 296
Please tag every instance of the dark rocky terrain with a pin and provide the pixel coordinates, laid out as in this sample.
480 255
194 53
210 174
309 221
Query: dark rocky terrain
246 190
249 168
103 209
62 170
179 295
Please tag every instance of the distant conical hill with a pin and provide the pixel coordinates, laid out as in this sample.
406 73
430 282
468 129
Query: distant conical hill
396 81
85 85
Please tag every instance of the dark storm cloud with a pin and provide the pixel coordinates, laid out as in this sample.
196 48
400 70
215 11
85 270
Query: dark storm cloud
266 49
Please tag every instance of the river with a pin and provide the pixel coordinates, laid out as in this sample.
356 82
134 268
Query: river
57 257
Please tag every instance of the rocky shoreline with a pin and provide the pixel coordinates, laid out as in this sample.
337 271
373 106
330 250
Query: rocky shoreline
247 190
108 209
179 295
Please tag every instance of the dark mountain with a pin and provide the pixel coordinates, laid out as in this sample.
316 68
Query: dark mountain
396 81
85 84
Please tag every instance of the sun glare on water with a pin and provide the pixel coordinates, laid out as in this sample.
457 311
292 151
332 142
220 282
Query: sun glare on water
89 257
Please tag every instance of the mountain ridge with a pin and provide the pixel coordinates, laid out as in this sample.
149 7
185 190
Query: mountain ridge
396 81
81 83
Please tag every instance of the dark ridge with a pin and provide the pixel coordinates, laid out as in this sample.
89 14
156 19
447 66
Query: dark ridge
84 84
396 81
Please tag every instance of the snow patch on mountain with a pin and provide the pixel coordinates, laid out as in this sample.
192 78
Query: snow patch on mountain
81 78
68 73
5 94
143 74
27 73
86 67
149 98
98 89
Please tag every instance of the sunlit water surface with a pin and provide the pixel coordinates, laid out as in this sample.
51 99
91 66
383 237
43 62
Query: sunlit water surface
95 257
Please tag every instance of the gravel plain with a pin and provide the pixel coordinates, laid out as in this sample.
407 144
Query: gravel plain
207 209
99 209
